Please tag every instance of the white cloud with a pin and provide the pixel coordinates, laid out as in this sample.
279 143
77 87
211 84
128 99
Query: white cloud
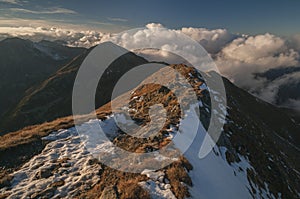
294 42
53 10
245 56
212 40
256 54
256 49
154 25
168 40
15 2
117 19
270 91
33 23
159 55
80 38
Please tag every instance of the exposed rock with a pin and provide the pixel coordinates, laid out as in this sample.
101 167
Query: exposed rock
167 186
44 173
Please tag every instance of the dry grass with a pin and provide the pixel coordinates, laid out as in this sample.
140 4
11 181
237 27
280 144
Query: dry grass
177 173
125 184
130 189
5 180
3 196
30 133
18 147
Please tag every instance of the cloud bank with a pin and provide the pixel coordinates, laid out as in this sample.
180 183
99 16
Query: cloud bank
238 57
247 56
81 38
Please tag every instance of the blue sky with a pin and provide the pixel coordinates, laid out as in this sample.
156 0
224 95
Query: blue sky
250 17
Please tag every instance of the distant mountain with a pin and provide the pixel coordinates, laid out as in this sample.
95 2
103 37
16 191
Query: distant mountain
257 155
275 73
52 98
24 63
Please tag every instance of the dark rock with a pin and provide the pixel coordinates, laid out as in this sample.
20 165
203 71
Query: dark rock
43 173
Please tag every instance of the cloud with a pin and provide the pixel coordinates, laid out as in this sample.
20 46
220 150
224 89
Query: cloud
33 23
117 19
168 40
248 55
155 55
212 40
15 2
262 49
292 103
271 92
294 42
256 54
53 10
154 25
81 38
36 30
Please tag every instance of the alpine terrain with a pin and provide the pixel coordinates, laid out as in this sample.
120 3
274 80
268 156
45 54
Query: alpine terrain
257 155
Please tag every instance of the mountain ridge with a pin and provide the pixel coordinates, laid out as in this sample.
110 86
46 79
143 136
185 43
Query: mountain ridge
242 135
58 87
22 66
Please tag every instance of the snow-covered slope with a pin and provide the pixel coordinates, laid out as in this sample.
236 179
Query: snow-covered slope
65 167
213 177
64 163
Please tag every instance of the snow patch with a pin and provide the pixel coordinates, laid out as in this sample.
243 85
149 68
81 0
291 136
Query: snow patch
158 186
64 160
157 190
